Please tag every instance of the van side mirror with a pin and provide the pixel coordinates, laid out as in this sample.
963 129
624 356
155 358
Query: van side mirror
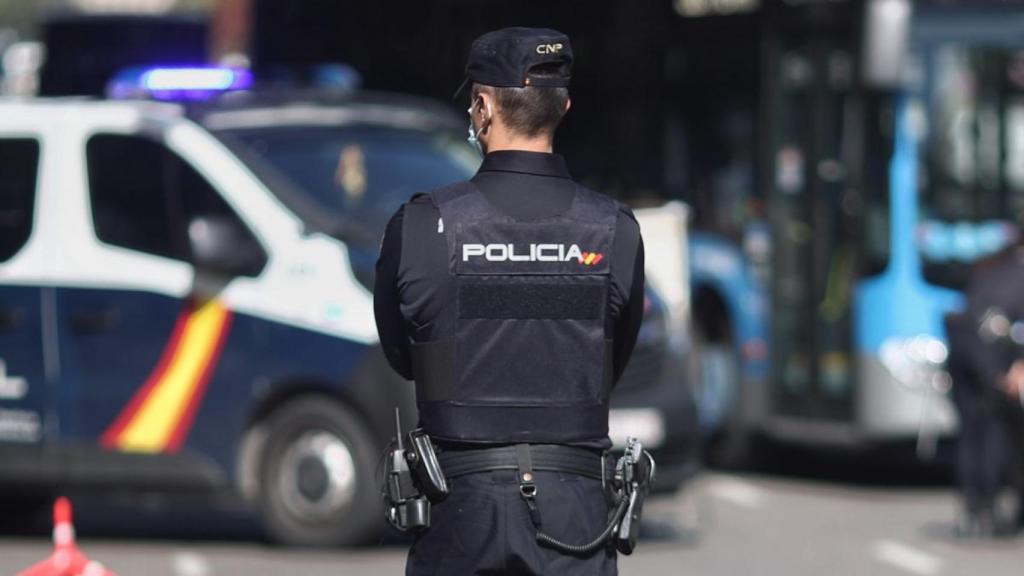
224 246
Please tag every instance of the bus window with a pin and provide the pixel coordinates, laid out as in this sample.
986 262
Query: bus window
972 196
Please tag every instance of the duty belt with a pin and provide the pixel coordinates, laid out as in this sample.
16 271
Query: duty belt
544 457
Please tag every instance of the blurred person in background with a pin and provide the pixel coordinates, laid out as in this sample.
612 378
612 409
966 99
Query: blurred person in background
514 301
986 363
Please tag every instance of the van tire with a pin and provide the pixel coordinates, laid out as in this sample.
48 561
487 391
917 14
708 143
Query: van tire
317 486
731 446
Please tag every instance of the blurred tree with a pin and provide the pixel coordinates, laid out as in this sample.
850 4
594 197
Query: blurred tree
18 15
21 15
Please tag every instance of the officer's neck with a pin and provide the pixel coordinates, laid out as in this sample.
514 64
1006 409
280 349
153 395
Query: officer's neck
504 140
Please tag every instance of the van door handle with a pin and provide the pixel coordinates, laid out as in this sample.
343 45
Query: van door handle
11 319
92 321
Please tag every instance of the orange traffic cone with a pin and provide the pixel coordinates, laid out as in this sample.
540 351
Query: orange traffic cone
67 559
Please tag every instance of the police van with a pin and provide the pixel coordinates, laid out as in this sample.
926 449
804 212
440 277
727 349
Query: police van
185 292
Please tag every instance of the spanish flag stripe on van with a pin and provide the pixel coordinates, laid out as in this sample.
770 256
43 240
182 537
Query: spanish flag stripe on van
159 416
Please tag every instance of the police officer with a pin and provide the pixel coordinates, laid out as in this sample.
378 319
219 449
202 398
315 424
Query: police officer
986 366
514 301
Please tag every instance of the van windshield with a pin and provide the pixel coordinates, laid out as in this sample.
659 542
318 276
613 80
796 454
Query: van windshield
354 175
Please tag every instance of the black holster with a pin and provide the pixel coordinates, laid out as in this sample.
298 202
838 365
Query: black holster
413 481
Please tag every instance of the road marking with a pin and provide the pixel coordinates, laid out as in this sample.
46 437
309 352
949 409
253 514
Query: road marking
906 558
190 564
737 492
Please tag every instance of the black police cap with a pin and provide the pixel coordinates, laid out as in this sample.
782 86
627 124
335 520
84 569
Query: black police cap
507 58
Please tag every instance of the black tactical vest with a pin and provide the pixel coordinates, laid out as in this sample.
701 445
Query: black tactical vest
522 355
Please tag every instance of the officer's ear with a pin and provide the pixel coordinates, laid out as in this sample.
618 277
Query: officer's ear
488 111
568 104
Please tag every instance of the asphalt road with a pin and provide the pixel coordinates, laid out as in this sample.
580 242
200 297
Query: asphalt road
727 524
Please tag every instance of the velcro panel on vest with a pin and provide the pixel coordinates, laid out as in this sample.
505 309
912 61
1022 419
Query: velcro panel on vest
529 362
523 248
552 298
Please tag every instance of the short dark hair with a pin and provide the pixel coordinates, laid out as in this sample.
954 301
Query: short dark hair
530 110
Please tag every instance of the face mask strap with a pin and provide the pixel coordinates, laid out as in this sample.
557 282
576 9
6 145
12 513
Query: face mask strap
487 109
473 137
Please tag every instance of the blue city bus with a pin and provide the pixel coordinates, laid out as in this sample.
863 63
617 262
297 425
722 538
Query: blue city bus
878 153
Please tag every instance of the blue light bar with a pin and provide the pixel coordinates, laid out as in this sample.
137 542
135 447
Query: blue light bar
160 79
177 83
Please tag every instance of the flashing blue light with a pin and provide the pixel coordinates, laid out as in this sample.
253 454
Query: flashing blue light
160 79
177 83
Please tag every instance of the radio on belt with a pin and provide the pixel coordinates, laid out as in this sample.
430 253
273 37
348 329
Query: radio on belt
634 475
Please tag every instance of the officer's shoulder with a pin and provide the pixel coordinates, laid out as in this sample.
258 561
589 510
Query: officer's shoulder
420 198
591 195
625 213
441 195
418 203
419 208
427 202
422 208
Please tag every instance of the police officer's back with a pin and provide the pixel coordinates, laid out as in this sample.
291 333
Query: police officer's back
513 300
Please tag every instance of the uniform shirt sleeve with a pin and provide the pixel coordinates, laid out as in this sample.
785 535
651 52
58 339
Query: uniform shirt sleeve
387 299
629 259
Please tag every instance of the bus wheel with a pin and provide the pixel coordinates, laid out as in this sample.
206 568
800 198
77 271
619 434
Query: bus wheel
317 476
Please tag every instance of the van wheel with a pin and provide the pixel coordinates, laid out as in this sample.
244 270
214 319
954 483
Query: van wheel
721 401
317 476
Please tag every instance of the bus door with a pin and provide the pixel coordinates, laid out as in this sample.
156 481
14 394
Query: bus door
809 146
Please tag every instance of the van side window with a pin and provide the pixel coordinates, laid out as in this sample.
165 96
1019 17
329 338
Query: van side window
19 167
144 195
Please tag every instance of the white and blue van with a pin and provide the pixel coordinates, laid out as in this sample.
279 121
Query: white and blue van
185 295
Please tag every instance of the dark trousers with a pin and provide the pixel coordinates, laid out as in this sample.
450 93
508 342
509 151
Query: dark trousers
484 528
985 449
1015 418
